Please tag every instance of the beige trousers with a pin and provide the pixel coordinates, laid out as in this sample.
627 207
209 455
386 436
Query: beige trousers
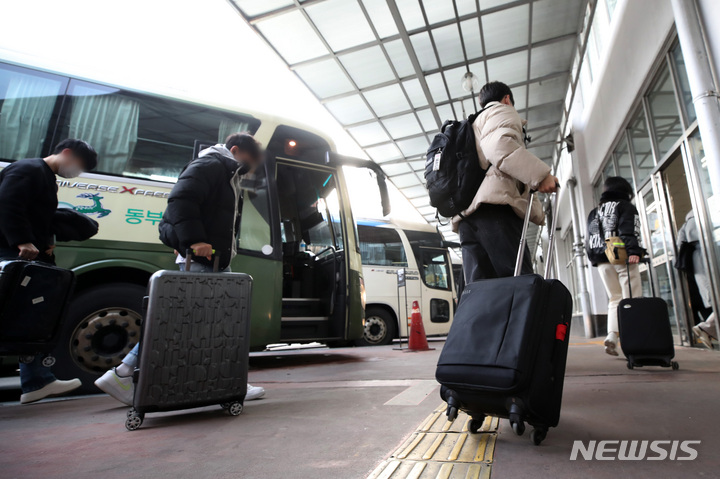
615 279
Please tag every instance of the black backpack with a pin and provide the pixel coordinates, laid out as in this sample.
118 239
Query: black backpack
452 170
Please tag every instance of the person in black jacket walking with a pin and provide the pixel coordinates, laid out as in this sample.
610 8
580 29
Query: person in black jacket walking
203 211
28 204
202 216
615 216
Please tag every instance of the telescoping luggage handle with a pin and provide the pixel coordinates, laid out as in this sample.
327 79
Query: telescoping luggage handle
551 236
642 260
188 261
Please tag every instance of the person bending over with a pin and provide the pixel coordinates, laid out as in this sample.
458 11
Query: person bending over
28 202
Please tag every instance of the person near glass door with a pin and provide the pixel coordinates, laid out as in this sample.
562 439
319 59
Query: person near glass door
692 261
615 216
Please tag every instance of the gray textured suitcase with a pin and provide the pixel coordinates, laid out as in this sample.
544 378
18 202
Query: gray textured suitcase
194 344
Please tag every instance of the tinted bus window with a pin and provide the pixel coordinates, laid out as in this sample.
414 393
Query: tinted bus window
381 247
28 100
433 263
143 136
435 269
255 231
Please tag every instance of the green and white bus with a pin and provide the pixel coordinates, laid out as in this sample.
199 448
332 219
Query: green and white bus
297 239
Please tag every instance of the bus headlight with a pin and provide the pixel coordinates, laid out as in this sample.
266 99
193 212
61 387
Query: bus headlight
363 294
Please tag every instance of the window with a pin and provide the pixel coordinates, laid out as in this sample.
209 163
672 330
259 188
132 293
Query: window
657 241
431 256
254 232
597 190
142 136
27 102
309 208
640 141
664 114
381 246
709 189
622 158
609 169
611 7
683 83
434 268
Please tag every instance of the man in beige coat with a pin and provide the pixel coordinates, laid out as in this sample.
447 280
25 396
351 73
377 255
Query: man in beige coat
490 228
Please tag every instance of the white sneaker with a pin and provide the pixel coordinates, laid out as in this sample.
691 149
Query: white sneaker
702 336
611 344
254 392
118 387
55 388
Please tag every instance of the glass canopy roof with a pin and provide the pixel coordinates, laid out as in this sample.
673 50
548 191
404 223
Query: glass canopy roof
390 71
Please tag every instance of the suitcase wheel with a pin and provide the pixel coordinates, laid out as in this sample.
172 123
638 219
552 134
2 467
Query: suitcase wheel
48 361
630 365
518 427
476 424
26 358
675 365
134 420
233 408
451 413
538 435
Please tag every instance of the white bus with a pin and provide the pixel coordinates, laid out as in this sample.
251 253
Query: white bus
385 247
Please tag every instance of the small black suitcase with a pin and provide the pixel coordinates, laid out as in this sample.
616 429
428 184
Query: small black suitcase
33 302
646 338
506 351
194 345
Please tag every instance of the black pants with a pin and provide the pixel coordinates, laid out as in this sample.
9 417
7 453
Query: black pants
490 239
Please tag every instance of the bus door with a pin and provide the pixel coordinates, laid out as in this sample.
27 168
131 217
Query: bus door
414 286
436 289
314 264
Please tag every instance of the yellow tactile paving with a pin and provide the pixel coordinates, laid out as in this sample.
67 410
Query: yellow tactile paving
439 449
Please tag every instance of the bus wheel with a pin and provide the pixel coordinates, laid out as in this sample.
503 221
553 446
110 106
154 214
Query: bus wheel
380 328
101 327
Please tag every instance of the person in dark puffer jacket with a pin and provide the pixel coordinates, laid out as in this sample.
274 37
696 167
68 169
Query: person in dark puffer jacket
203 211
615 216
202 216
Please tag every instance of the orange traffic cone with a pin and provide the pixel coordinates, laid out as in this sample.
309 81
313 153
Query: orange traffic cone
417 341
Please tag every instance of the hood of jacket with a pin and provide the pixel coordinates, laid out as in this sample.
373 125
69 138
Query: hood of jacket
219 152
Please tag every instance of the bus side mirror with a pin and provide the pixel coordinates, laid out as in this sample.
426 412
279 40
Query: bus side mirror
384 196
332 157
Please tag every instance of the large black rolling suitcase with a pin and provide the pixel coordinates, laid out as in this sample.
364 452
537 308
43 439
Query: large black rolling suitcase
194 343
33 302
506 350
646 338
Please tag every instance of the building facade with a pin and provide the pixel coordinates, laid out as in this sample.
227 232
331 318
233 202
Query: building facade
646 108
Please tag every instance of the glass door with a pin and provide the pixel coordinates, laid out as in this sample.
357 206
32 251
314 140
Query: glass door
658 203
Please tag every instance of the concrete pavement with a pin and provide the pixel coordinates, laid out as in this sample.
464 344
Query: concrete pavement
341 413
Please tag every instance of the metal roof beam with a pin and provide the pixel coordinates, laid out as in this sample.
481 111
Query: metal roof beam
549 76
446 102
491 56
264 16
395 12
